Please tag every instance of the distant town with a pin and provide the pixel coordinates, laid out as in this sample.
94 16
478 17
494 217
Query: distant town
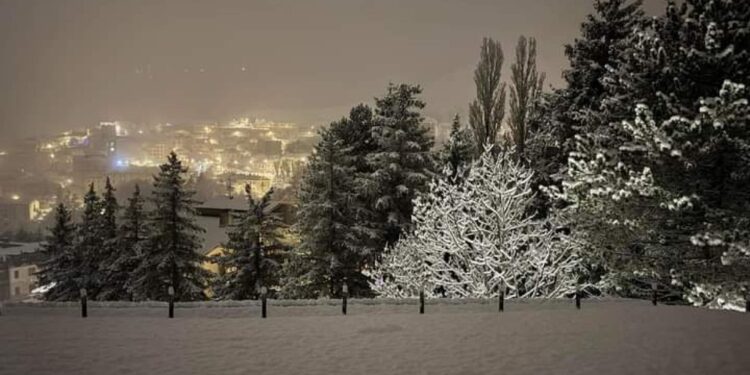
38 173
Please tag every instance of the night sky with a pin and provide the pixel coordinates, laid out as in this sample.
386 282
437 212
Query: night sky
72 63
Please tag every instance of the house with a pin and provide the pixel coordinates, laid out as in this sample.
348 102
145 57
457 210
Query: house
19 264
216 216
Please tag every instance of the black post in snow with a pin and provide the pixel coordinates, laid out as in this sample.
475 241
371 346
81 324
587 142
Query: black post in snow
578 298
84 307
654 288
501 298
747 302
170 291
263 293
421 301
1 308
345 294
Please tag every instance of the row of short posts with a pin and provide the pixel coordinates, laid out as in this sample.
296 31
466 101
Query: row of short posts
345 297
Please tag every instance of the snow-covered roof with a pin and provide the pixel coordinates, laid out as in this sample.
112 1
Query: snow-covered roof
19 248
224 203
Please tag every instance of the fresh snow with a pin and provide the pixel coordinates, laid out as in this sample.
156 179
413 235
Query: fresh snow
530 337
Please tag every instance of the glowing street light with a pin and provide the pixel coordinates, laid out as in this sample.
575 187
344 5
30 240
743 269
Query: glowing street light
15 197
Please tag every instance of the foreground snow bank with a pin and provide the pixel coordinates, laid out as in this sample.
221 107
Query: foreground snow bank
625 337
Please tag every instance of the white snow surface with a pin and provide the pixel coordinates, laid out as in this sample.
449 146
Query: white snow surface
377 337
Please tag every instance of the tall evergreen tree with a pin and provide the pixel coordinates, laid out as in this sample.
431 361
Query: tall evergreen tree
574 109
332 242
61 268
487 111
253 256
129 250
670 204
525 92
457 153
109 249
666 71
673 62
172 256
89 243
402 163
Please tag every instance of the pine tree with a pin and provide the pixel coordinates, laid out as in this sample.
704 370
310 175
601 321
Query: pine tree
253 256
332 243
402 163
487 111
172 256
469 239
109 249
61 268
671 203
89 243
680 57
129 250
457 153
525 92
573 109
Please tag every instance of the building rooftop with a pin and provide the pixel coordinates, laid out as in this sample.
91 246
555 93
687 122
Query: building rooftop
9 249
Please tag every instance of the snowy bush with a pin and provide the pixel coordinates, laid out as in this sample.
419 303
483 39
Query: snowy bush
469 239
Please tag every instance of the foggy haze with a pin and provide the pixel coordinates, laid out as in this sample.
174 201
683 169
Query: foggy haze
72 63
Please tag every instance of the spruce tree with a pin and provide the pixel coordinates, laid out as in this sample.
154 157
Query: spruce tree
666 72
172 250
89 243
681 57
109 249
402 164
129 250
331 243
61 267
670 204
575 108
457 153
253 256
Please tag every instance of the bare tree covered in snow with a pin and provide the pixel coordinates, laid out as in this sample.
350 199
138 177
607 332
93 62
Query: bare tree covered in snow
471 238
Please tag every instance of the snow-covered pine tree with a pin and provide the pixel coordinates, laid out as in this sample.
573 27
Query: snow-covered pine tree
89 243
573 109
402 163
330 244
469 239
671 204
680 57
61 267
458 152
108 240
172 250
669 65
253 256
128 251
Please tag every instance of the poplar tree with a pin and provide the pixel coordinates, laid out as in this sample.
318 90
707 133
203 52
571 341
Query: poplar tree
487 111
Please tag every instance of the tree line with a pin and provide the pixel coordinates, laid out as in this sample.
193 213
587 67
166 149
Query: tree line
639 167
632 174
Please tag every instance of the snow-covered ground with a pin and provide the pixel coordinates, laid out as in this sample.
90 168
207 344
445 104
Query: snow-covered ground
605 337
